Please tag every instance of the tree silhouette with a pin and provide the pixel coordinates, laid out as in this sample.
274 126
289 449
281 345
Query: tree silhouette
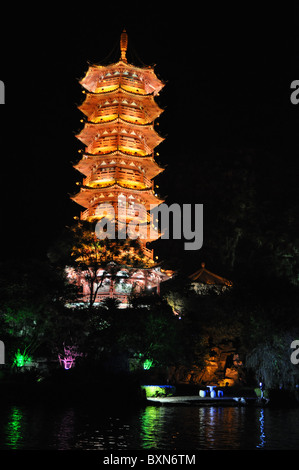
99 259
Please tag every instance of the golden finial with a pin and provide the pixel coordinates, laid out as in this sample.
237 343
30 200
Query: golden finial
123 45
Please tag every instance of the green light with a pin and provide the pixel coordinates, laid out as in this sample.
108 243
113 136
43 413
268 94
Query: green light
20 359
150 422
14 428
158 390
147 364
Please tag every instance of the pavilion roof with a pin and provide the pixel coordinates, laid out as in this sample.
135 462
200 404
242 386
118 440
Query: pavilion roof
203 276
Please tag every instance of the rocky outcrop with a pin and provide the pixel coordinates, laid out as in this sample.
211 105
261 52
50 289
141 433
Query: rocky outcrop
223 366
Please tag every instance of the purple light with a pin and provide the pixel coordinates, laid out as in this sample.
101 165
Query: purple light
68 359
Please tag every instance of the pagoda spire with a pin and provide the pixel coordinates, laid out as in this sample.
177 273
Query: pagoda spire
123 45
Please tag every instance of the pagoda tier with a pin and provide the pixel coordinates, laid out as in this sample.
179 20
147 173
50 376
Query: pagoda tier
119 138
89 196
134 204
102 79
130 107
92 163
106 137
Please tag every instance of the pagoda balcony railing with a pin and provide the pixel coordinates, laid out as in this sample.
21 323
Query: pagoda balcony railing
85 214
108 82
97 177
149 253
131 212
131 83
120 110
134 212
127 144
131 112
117 174
119 81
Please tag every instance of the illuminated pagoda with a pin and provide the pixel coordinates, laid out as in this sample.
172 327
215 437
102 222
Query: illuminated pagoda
118 162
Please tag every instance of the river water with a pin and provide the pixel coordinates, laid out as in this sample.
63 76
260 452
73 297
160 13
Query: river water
170 428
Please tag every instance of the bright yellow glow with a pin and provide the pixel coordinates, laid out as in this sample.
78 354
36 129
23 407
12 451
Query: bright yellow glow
104 118
131 150
104 88
108 181
132 184
101 183
133 119
134 89
104 149
111 117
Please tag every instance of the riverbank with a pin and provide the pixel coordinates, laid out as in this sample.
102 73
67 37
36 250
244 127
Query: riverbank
68 387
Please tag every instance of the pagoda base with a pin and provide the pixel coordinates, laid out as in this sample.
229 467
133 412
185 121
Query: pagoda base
126 283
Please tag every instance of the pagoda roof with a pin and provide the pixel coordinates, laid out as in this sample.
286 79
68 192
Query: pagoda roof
120 120
147 162
90 106
203 276
101 78
116 88
86 193
96 73
92 129
124 91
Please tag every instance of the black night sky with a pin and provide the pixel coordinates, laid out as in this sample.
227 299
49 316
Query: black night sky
227 71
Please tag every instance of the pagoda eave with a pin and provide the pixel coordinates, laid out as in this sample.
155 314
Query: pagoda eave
84 196
120 121
119 98
88 137
95 73
148 163
116 88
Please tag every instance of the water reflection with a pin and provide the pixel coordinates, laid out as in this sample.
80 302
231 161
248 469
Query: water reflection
165 427
262 429
192 427
65 431
150 420
220 427
15 428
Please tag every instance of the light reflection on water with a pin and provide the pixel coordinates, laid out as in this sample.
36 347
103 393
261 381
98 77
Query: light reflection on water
14 431
171 428
262 442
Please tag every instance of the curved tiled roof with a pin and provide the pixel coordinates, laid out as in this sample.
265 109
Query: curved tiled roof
203 276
